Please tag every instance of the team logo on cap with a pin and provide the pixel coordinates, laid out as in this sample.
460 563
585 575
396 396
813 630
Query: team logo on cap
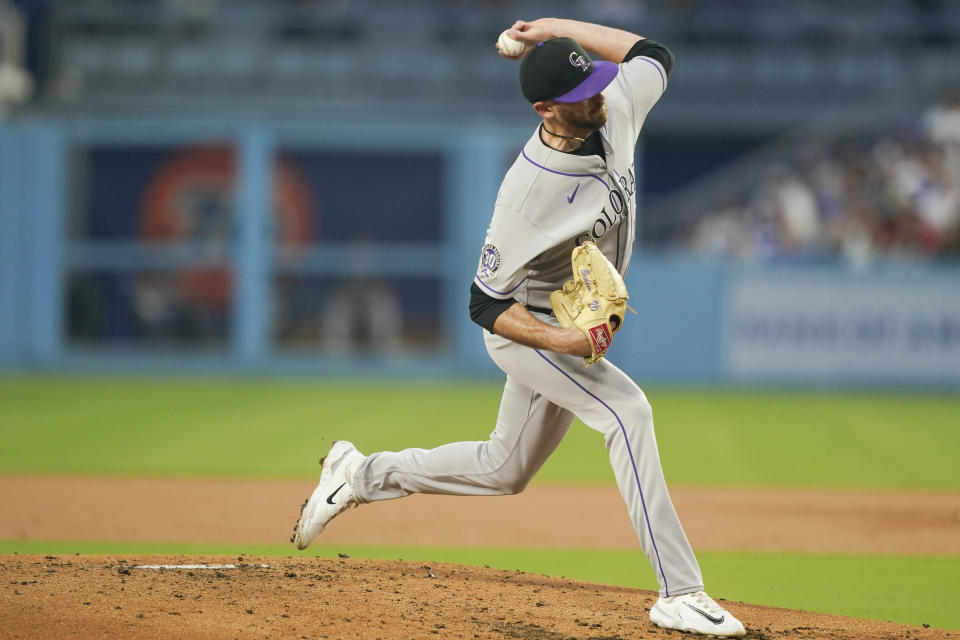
489 260
578 60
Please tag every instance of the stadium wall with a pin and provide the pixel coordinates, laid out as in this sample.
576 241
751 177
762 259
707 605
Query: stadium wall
69 227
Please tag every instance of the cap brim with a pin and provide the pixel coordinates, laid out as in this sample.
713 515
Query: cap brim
603 74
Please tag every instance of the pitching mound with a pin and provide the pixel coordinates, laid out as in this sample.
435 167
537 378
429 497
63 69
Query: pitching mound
213 597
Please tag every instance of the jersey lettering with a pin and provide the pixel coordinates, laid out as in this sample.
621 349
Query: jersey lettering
619 205
599 229
610 221
628 188
616 201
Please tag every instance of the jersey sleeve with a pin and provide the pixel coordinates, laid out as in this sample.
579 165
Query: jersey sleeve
652 49
512 242
638 86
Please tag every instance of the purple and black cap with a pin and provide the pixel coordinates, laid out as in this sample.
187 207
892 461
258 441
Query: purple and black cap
560 69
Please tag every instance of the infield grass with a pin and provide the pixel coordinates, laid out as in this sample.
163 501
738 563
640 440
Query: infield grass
280 427
906 589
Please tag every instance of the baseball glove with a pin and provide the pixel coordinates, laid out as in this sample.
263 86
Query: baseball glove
594 301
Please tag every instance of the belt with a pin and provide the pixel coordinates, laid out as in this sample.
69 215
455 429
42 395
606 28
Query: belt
549 312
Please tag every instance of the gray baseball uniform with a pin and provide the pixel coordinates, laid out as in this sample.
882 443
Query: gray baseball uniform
549 201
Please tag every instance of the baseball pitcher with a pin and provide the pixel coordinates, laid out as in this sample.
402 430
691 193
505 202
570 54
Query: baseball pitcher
549 295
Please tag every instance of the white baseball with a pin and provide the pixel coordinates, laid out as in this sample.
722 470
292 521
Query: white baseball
509 46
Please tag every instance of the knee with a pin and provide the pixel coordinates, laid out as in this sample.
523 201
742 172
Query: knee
635 417
507 474
642 413
512 485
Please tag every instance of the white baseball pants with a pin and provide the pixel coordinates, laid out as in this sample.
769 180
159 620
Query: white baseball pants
543 393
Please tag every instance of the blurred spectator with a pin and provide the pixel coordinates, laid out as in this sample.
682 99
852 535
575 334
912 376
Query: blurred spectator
16 83
797 213
943 127
895 195
362 313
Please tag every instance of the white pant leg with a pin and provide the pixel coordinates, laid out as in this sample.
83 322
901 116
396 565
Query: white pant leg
529 428
607 400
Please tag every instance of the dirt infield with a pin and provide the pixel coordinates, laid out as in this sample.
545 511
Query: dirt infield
177 510
109 596
113 597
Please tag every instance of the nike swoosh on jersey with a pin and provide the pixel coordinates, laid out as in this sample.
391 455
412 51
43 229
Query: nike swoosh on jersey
330 497
573 195
713 619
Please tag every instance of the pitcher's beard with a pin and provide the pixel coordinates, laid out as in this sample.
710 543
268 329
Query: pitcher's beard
592 122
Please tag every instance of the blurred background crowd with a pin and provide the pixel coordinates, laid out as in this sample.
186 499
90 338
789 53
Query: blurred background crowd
830 196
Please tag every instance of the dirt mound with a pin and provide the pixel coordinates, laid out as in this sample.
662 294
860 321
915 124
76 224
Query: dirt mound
216 597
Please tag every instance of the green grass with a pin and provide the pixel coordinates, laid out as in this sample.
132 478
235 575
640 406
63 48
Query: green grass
279 427
906 589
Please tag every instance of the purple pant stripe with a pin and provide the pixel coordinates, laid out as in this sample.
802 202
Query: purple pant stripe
636 473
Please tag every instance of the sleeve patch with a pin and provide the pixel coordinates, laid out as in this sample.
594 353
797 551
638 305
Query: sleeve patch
489 261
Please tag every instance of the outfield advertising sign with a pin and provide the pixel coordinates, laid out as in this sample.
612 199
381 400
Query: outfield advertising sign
835 327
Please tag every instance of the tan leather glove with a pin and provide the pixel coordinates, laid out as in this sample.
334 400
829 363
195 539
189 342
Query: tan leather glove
594 301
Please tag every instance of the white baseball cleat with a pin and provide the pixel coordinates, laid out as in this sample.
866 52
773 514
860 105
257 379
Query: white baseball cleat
333 494
696 612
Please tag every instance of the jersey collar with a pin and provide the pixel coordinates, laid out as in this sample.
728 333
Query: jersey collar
540 154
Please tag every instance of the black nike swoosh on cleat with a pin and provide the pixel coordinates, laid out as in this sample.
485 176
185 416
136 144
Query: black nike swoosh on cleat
706 615
330 501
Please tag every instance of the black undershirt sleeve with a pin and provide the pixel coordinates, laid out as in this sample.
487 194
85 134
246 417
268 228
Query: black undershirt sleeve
652 49
484 310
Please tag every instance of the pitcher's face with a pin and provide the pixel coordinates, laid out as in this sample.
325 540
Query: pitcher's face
589 114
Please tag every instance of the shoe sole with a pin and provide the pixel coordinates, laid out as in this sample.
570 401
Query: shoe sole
663 624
